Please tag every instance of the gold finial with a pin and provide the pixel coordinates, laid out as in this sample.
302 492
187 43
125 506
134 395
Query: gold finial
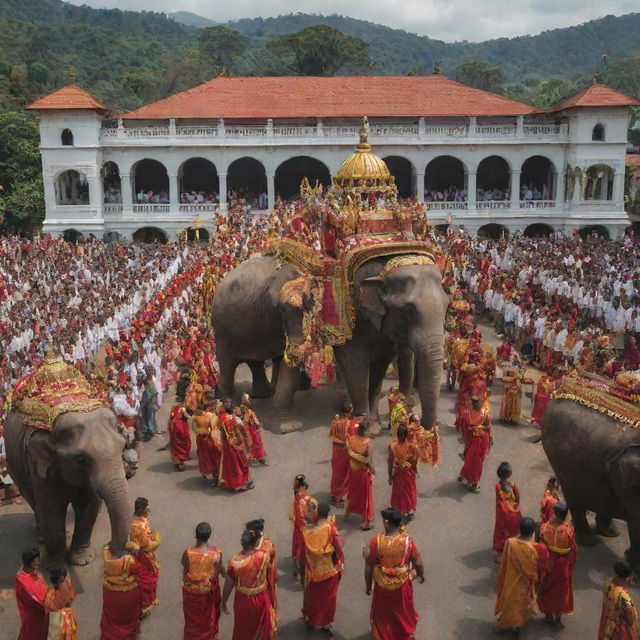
73 76
364 130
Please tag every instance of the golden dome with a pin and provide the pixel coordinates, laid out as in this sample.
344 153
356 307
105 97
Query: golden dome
364 168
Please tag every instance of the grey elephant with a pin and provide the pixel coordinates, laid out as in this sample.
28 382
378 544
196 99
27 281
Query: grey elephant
598 466
79 463
398 313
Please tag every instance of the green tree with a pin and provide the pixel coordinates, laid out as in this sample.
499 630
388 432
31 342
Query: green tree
221 46
320 50
481 75
22 209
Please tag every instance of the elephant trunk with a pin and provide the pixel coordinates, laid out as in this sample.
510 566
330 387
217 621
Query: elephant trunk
113 490
429 354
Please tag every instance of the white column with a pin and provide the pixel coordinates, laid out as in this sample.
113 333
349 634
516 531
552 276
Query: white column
127 193
471 190
559 182
520 127
472 127
222 178
271 191
49 192
515 188
618 187
420 186
174 196
95 196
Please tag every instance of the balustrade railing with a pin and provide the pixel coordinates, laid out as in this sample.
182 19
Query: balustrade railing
197 207
197 132
496 130
541 129
151 208
537 204
484 205
112 207
440 206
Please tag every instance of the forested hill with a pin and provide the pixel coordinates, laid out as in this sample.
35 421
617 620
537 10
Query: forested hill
128 58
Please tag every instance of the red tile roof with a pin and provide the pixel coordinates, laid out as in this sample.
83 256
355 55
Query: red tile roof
69 97
598 95
334 97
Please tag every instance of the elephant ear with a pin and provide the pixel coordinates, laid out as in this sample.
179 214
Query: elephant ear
41 452
371 294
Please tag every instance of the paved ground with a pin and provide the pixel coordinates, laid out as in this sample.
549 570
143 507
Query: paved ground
453 529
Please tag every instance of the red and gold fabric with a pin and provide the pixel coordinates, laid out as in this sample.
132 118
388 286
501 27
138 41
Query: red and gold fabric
254 615
254 429
508 515
324 562
201 594
31 590
147 567
404 496
542 398
63 624
393 614
619 618
340 430
179 435
234 468
521 568
478 434
546 504
303 506
555 595
272 572
208 447
121 603
360 478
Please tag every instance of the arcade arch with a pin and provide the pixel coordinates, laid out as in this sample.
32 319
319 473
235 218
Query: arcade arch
536 179
493 179
290 173
445 175
493 231
402 170
246 177
150 235
599 182
111 186
151 182
198 181
538 230
72 188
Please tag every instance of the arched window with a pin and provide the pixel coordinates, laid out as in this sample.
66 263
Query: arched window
67 138
72 188
597 135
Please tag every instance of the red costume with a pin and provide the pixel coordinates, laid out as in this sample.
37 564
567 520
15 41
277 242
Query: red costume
31 590
179 435
303 506
555 595
508 515
324 562
542 398
360 479
147 567
253 427
393 615
253 614
404 468
546 505
340 430
201 593
121 604
477 442
208 443
235 465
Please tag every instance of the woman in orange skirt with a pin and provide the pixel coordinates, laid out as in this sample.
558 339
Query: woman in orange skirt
62 620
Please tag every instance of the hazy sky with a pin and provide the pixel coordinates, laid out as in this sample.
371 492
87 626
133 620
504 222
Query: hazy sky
447 20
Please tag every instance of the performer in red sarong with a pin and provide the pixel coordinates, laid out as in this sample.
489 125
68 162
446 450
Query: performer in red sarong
253 614
63 624
324 563
542 398
508 514
360 478
619 619
392 561
555 596
208 444
147 567
477 443
341 428
31 590
257 526
179 434
402 463
234 468
121 604
303 511
201 566
549 499
254 429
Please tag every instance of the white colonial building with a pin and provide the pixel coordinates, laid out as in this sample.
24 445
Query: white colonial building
474 158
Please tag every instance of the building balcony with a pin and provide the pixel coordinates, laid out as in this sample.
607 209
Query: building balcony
263 135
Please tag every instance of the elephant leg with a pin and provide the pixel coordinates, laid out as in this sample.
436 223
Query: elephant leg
406 369
633 552
275 370
51 502
228 365
354 367
261 388
606 527
86 505
377 371
288 381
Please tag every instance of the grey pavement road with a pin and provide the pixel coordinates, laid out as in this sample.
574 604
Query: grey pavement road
453 530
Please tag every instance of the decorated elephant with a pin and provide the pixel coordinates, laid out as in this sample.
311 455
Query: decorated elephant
397 305
63 448
597 461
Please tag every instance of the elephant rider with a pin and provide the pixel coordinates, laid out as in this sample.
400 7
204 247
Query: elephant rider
148 568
